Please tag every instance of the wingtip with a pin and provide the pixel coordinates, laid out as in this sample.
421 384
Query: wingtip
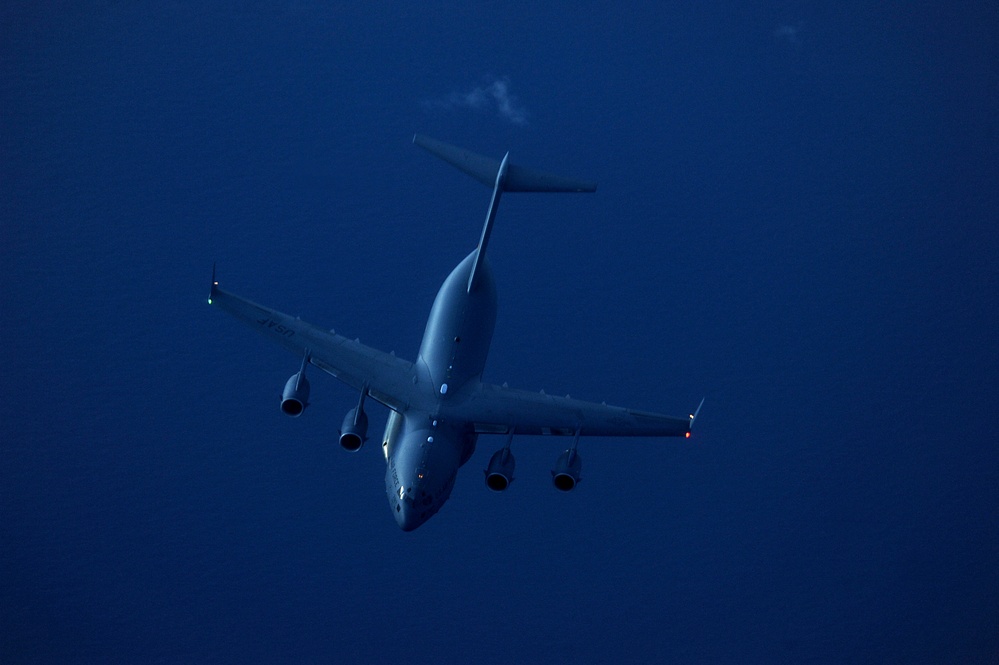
215 283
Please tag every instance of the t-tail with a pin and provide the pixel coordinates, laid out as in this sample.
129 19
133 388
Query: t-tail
502 176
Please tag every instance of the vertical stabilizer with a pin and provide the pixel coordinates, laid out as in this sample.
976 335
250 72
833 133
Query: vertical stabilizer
502 177
487 228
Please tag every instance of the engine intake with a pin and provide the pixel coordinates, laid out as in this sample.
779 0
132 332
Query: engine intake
295 397
499 473
354 431
565 475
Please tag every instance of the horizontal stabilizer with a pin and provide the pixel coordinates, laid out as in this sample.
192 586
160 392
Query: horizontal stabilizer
481 168
485 170
519 179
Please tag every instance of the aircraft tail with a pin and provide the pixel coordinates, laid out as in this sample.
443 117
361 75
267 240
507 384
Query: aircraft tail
502 177
485 170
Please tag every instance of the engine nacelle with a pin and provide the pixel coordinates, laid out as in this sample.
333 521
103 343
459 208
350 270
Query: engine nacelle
565 475
499 473
295 397
354 431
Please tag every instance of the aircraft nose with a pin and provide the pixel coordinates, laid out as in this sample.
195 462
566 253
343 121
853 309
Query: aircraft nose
407 517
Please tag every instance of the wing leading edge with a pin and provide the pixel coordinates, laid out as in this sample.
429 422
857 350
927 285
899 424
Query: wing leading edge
498 410
388 379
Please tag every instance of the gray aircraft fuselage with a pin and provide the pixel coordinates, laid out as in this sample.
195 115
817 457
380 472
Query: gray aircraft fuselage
424 447
438 404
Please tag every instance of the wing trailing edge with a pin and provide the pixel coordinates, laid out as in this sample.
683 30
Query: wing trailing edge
382 376
500 410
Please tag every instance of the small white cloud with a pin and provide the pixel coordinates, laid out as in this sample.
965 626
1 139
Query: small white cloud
493 95
789 33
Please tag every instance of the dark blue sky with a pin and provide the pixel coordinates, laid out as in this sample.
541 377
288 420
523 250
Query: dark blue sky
796 218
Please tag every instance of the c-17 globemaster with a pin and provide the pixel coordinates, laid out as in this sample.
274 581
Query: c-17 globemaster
439 404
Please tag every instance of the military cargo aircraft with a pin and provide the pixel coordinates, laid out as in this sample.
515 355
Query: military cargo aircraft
438 405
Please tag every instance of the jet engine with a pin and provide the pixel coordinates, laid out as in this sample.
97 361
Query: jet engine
499 473
565 475
295 397
354 431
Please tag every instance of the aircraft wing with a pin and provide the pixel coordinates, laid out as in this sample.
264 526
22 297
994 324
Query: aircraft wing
500 410
389 379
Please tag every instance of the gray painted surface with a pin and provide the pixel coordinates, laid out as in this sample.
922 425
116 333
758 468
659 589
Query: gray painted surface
442 403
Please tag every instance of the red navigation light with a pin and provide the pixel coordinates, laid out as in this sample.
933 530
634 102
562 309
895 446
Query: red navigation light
687 435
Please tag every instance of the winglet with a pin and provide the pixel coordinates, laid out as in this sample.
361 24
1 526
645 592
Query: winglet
215 283
693 416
